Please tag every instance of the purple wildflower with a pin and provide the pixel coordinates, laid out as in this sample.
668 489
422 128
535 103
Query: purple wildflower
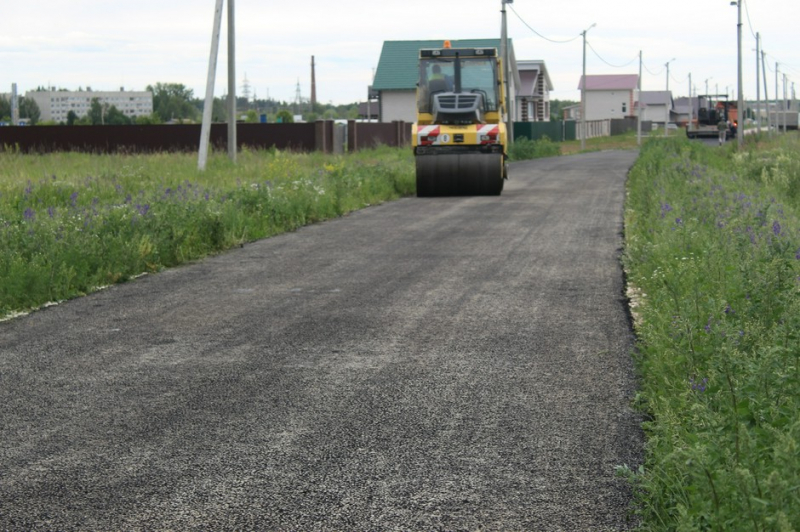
678 221
797 255
73 198
51 211
29 214
698 386
776 228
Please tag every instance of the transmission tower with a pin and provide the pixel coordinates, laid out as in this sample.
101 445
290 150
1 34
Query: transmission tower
298 99
246 88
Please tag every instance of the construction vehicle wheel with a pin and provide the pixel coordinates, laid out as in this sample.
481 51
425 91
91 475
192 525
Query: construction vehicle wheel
469 174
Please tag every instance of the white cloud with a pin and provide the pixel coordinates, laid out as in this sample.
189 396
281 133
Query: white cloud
108 44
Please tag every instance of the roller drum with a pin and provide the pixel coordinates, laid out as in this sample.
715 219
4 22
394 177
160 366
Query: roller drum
466 174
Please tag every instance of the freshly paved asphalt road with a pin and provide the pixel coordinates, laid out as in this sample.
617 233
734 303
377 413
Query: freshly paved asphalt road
428 364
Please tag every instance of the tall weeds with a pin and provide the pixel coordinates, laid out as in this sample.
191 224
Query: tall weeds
713 260
72 222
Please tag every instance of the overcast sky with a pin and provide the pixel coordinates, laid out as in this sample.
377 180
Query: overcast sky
109 44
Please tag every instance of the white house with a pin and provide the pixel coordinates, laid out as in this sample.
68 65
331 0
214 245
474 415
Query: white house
610 95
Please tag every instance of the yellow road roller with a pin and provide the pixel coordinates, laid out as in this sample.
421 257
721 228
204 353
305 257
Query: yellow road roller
459 137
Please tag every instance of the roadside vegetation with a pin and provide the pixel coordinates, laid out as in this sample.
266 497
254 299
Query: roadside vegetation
712 254
523 149
71 222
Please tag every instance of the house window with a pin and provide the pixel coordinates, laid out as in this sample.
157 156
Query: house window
624 107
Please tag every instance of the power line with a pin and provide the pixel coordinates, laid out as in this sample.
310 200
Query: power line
651 72
679 80
606 62
539 34
750 24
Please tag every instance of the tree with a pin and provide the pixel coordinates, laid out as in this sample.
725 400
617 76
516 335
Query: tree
5 110
219 109
173 101
28 109
557 106
285 117
148 120
252 117
116 117
71 118
96 111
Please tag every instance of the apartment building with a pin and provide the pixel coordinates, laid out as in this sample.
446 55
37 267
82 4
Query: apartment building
56 105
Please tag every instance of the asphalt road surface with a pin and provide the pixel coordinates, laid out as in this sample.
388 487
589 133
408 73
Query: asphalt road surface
427 364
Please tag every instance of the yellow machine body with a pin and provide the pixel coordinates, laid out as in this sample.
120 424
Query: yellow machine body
460 138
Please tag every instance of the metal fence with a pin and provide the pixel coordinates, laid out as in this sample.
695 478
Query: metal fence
327 136
557 130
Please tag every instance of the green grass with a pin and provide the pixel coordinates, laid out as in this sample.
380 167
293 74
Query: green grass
713 260
70 222
523 149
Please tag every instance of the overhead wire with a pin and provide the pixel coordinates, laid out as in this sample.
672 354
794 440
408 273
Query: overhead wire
606 62
686 78
749 23
539 34
650 71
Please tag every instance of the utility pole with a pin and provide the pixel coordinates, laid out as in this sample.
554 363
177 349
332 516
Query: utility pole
668 100
14 105
691 104
784 102
232 146
740 101
205 130
777 105
639 104
313 86
583 91
510 105
766 93
758 82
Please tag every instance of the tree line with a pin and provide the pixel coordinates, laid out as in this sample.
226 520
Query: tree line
174 102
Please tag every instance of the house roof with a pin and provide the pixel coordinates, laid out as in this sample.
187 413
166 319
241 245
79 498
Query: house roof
529 72
608 82
655 97
397 67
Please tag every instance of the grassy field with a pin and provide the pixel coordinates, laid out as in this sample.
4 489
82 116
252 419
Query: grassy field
71 222
713 259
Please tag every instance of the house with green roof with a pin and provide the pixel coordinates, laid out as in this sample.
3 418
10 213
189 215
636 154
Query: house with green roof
396 78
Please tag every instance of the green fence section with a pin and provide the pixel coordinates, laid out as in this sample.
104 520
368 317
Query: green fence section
555 131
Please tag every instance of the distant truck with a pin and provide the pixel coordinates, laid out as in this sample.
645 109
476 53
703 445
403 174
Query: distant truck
712 110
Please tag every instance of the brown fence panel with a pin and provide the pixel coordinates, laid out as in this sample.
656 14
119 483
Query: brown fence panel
363 135
153 138
186 137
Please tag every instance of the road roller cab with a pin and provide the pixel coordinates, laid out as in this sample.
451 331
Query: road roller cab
459 138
